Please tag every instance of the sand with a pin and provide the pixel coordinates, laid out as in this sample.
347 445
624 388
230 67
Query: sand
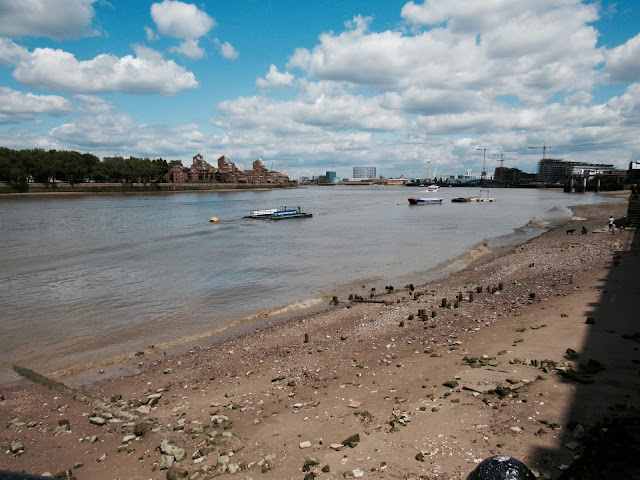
495 371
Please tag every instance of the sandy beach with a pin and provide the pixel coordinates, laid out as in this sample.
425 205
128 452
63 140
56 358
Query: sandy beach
530 352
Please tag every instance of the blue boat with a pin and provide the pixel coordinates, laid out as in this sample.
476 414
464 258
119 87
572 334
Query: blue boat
425 201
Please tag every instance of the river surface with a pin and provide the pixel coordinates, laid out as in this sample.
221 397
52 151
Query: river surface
88 278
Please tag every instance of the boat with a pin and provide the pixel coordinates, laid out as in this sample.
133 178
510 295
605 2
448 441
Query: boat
475 198
424 201
481 198
278 213
432 188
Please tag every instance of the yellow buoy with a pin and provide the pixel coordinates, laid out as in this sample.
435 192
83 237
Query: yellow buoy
213 219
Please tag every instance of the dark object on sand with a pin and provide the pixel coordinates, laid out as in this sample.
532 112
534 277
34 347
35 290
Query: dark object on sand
501 468
584 230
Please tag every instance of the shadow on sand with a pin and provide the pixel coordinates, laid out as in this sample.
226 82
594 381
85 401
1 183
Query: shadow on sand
603 425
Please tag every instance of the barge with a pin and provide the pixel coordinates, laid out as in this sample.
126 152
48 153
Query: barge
278 213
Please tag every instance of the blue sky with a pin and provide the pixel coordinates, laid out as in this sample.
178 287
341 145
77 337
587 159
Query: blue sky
325 85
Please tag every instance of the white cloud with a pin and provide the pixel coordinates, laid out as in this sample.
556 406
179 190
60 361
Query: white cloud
181 20
462 16
226 49
533 55
189 48
11 53
147 72
623 62
94 105
106 134
150 34
46 18
16 107
275 79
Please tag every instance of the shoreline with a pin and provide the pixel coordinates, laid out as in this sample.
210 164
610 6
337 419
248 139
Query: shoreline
359 368
116 364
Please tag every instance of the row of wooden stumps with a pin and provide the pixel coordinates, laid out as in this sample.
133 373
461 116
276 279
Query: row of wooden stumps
422 313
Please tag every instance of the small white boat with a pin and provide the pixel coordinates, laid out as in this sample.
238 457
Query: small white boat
432 188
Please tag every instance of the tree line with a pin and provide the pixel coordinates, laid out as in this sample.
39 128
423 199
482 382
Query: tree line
18 168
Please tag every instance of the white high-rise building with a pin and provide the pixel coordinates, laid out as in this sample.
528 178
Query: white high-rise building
364 172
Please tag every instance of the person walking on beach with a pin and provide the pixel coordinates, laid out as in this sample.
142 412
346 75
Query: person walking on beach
612 224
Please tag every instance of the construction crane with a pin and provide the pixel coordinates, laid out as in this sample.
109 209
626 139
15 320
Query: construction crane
484 162
544 147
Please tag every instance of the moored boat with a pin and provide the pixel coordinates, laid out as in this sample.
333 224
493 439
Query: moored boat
424 201
475 198
278 213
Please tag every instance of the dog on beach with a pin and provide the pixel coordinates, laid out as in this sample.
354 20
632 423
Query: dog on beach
570 231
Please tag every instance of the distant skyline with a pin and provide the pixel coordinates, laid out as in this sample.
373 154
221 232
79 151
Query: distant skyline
325 85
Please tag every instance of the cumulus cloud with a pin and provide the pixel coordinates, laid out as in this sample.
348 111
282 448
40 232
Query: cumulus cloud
11 53
43 18
147 72
275 79
335 112
16 107
105 134
189 48
181 20
623 62
532 55
226 49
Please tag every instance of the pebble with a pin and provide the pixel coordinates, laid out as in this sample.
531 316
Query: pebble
305 444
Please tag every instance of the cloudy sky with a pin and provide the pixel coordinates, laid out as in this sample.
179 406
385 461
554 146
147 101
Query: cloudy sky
325 85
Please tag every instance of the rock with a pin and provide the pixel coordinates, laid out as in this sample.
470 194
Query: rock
357 473
128 438
98 420
153 399
352 441
170 447
233 468
450 384
65 475
140 428
167 462
175 473
305 444
17 446
308 463
102 457
116 398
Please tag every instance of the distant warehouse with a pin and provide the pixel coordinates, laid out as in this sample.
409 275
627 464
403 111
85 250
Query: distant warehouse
552 170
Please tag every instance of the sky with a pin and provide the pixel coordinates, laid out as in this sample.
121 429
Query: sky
323 85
